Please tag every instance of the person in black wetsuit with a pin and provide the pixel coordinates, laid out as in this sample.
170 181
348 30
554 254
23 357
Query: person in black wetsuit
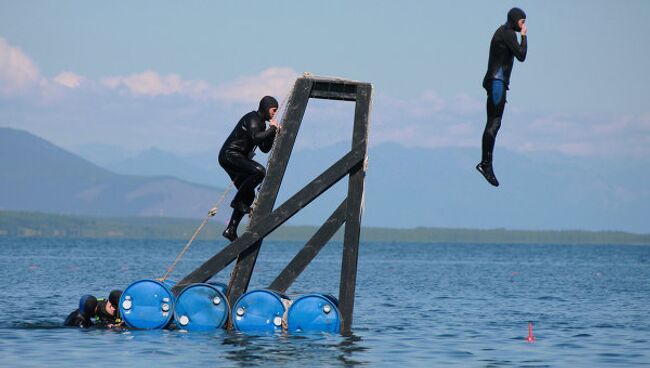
108 313
82 317
96 312
236 158
504 47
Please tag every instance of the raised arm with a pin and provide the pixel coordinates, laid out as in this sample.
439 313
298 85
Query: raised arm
262 138
518 49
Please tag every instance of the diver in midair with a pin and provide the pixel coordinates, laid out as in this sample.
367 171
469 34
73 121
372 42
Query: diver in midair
504 47
236 157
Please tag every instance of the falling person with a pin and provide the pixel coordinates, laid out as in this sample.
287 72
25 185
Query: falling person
504 47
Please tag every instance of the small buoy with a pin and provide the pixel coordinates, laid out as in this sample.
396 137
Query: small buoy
530 337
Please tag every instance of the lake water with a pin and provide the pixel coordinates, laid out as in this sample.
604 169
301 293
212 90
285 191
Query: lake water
416 305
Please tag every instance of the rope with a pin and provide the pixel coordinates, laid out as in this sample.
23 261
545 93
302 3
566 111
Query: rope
213 211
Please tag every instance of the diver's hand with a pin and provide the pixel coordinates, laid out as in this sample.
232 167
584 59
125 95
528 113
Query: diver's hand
524 29
275 124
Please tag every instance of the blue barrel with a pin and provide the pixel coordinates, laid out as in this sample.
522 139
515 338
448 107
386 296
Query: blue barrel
259 311
147 304
219 285
314 313
201 307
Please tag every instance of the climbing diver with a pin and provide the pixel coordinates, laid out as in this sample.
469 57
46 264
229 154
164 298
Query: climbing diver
504 47
236 158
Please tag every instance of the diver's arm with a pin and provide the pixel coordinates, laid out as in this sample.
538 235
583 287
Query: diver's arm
518 49
266 144
257 134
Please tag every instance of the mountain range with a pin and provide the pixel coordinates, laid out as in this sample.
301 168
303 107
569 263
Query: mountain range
406 187
36 175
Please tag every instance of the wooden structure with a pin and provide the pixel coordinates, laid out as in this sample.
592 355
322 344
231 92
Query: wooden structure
266 219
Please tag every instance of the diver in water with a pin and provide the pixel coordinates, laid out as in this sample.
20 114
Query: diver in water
236 157
108 313
82 317
96 312
504 47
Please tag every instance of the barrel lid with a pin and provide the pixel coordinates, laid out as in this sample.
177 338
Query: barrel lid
147 304
314 313
201 307
259 311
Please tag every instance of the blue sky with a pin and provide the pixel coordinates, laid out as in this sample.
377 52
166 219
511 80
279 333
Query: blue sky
177 75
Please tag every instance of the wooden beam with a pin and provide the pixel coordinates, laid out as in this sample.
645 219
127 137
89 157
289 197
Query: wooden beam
277 166
310 250
271 222
354 211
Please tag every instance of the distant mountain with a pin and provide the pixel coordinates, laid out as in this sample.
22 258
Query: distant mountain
408 187
37 175
154 162
405 187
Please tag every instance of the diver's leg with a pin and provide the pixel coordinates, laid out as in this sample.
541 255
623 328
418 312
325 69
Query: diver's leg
245 197
495 104
230 232
235 166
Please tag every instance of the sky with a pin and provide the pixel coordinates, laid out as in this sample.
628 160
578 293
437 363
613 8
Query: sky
178 75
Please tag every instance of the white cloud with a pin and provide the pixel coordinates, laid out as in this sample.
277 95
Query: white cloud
17 71
273 81
69 79
429 120
150 83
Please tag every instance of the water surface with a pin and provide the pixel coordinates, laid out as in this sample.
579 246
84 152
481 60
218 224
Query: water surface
417 305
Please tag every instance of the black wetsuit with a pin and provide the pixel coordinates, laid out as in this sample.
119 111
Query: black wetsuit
77 319
103 318
83 316
504 47
236 157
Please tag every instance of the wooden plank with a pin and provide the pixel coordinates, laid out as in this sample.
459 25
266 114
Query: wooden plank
334 90
271 222
310 250
354 211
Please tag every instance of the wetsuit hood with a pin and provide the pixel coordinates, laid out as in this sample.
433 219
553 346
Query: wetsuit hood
513 18
266 103
114 298
87 305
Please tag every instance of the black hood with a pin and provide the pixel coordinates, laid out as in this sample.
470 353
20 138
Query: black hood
114 298
513 18
266 103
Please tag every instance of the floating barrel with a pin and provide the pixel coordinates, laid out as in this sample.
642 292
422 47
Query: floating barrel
147 304
259 311
219 285
314 313
201 307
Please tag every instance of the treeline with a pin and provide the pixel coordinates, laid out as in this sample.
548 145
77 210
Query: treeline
31 224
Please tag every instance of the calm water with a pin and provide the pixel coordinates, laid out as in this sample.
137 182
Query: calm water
417 305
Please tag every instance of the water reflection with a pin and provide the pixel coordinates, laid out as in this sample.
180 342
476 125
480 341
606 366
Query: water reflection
317 349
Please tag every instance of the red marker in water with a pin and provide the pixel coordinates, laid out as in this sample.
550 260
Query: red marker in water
530 337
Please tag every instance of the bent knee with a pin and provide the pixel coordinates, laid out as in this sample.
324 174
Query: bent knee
260 172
